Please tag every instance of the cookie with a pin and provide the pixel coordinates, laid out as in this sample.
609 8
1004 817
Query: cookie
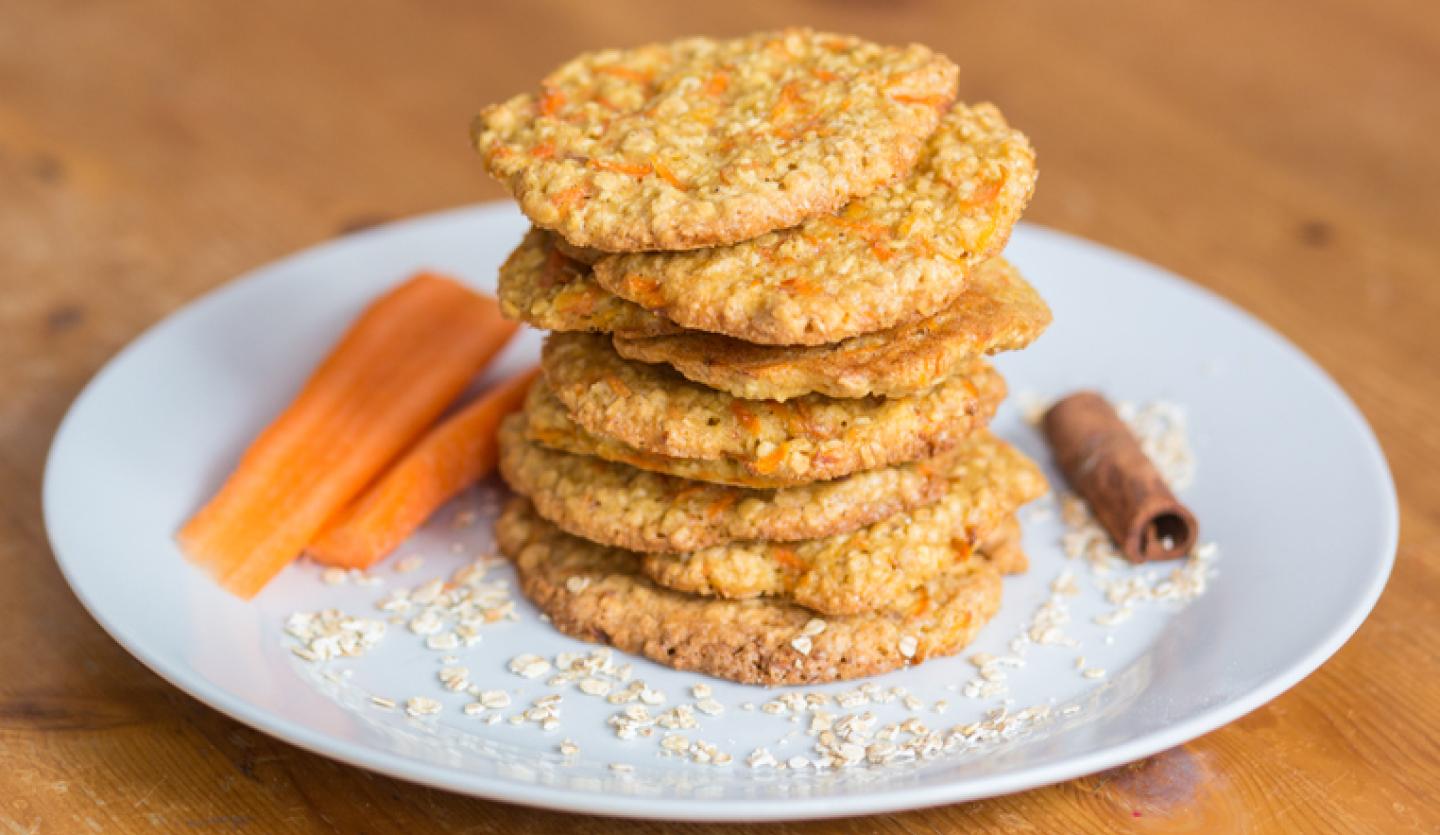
812 438
616 504
704 142
1002 547
856 571
595 593
998 311
549 424
542 286
899 255
583 254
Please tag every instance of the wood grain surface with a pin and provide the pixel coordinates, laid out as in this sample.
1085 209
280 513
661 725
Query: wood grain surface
1284 154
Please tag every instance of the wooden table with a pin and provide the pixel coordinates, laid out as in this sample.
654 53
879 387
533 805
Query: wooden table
1284 154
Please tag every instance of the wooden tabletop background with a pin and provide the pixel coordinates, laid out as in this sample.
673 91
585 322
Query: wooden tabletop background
1285 154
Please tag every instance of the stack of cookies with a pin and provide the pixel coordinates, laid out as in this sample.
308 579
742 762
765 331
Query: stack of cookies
770 268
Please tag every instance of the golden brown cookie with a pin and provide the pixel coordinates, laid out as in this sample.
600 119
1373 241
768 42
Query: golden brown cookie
595 593
703 142
548 423
899 255
1002 547
810 438
616 504
998 311
856 571
583 254
543 287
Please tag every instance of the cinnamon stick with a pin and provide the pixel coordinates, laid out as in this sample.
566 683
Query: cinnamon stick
1104 463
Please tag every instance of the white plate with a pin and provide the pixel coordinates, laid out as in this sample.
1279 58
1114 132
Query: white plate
1291 485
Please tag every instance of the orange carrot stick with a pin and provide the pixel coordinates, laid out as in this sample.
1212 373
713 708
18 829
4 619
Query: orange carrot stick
400 364
455 454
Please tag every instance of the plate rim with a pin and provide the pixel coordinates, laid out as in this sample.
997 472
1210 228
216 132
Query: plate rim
755 809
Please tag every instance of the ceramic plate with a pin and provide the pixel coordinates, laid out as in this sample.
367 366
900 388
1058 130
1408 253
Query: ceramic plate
1290 485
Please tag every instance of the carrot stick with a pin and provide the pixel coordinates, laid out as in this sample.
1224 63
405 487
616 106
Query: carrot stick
455 454
400 364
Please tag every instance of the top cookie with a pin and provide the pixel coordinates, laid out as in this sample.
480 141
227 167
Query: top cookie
898 255
703 142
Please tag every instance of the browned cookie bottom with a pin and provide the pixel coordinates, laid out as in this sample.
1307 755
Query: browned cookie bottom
597 594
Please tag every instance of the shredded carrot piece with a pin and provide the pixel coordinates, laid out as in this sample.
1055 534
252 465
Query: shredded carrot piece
747 418
786 556
800 287
929 101
984 194
543 150
867 229
646 290
663 172
626 73
718 83
566 199
789 97
456 453
720 505
815 240
394 371
922 605
825 75
551 102
633 169
771 462
881 252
